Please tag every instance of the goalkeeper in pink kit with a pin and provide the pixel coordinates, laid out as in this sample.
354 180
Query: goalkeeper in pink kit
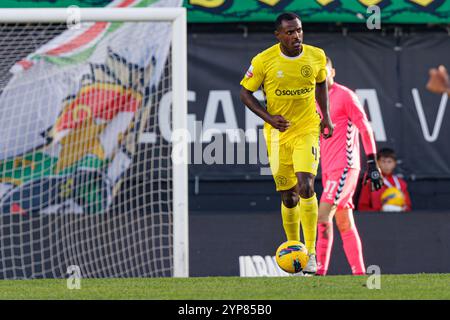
340 172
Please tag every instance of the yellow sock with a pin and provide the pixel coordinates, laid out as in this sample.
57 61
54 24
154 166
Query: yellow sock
291 222
309 211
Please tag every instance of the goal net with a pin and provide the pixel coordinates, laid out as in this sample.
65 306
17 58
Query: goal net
86 175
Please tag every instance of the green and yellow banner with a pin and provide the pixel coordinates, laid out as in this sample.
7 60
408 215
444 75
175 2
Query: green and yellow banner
392 11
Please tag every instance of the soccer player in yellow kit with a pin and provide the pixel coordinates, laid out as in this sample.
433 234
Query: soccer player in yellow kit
292 75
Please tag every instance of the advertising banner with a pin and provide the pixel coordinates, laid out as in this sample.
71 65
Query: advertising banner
245 244
388 74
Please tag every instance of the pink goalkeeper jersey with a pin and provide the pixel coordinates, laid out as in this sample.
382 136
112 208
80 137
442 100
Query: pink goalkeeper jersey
349 119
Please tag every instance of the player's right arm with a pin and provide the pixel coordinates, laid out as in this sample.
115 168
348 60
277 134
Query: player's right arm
276 121
252 80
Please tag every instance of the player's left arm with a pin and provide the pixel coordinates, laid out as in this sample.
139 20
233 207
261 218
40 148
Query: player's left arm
357 115
322 97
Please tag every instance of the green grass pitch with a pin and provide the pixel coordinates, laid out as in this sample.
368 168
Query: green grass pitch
417 286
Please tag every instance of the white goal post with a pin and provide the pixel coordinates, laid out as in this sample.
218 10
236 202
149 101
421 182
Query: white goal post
177 17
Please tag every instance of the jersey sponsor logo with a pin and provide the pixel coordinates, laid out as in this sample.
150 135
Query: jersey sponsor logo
249 72
280 74
293 92
306 71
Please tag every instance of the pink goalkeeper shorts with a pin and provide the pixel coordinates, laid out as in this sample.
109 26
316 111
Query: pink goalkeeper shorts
339 187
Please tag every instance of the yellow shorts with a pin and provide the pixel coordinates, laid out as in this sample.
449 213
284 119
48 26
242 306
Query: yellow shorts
299 154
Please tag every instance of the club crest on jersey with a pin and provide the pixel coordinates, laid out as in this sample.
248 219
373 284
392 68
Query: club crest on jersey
249 72
281 180
306 71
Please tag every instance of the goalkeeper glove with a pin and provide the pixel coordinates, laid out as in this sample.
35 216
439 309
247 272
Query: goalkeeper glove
373 173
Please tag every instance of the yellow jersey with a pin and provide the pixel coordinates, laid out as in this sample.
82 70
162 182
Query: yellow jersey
288 84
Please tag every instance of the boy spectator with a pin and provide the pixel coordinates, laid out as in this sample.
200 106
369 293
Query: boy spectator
394 195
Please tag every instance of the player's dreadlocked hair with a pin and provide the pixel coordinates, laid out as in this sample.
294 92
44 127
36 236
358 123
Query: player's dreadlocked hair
285 16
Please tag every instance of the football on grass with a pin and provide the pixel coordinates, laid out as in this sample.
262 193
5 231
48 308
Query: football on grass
292 256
